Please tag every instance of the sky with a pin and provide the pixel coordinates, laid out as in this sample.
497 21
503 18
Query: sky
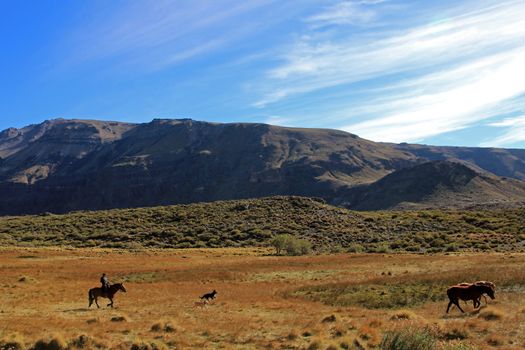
435 72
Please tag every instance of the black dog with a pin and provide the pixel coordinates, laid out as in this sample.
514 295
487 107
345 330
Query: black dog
209 296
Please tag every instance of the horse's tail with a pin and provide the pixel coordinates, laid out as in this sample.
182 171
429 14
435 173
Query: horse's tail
450 294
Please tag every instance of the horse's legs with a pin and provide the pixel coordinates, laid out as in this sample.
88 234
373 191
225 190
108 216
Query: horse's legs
449 305
111 302
477 303
96 302
459 307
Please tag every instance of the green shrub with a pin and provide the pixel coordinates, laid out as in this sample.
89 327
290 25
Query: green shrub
295 246
280 242
355 248
292 245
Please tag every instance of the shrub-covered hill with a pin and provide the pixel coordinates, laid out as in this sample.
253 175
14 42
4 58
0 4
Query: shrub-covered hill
254 222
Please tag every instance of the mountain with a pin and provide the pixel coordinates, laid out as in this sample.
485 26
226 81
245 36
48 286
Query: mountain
435 184
499 161
35 152
65 165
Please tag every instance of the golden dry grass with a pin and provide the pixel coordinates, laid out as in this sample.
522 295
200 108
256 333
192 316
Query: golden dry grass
256 306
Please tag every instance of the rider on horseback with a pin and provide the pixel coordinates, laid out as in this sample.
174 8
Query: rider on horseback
105 283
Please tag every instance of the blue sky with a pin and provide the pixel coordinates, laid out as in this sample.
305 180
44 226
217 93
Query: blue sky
436 72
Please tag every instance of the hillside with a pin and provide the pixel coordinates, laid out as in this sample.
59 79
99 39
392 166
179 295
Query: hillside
66 165
242 223
499 161
437 184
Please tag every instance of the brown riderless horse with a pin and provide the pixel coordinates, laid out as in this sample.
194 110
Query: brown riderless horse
472 292
491 285
95 293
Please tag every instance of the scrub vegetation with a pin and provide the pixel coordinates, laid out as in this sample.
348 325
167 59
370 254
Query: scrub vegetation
262 222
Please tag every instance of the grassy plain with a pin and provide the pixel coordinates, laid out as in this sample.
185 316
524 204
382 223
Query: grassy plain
339 301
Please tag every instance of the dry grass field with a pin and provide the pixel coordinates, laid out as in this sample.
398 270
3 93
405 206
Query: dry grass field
341 301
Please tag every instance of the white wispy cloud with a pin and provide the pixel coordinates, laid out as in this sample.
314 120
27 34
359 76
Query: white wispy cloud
161 33
451 104
278 120
437 77
346 12
515 132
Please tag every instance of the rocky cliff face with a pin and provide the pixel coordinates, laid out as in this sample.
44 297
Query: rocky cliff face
65 165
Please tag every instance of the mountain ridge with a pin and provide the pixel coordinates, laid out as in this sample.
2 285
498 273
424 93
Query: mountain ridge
71 164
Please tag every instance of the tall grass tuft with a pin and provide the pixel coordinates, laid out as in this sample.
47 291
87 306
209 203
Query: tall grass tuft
57 342
409 339
12 342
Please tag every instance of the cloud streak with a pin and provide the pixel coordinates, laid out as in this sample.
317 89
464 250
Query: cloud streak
345 13
514 133
161 33
423 81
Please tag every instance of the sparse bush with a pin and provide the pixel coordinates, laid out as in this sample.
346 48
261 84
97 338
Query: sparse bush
12 342
315 345
148 345
119 319
292 335
55 343
332 347
167 327
345 344
338 331
85 342
409 339
403 315
456 346
495 340
157 327
455 332
328 319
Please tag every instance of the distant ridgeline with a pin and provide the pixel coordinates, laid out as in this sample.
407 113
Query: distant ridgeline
255 222
65 165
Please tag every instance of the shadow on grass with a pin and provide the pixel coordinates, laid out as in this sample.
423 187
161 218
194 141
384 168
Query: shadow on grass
82 309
